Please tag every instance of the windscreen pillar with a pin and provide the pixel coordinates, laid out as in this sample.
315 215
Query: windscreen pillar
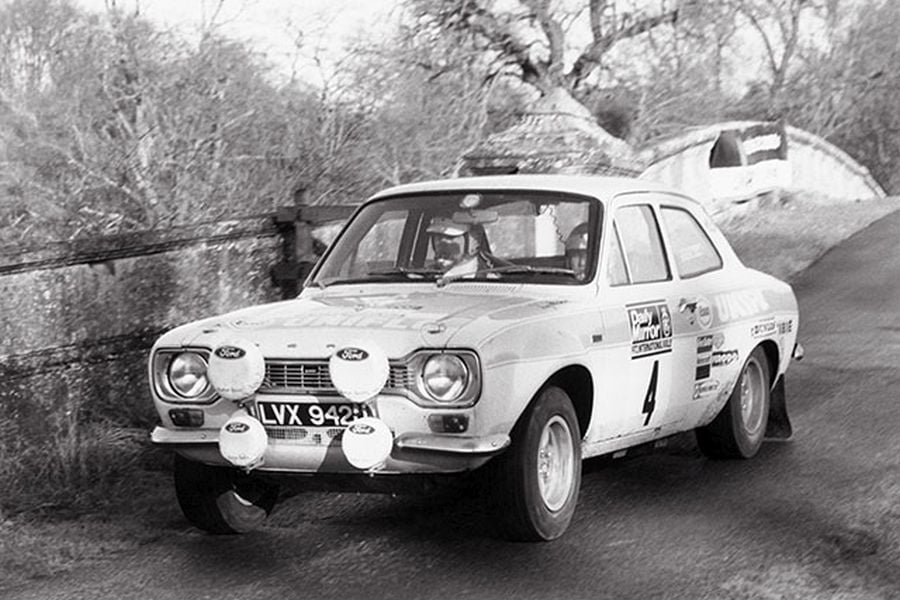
299 247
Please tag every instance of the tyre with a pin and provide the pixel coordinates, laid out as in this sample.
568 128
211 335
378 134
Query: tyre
222 500
739 428
535 482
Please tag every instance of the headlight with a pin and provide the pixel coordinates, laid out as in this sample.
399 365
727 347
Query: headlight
187 375
445 377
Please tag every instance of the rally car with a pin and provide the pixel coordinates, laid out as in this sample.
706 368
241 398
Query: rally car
504 327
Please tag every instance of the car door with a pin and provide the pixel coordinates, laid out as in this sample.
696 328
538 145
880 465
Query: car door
635 364
697 270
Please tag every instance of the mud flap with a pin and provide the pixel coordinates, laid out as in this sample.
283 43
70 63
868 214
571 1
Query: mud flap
778 427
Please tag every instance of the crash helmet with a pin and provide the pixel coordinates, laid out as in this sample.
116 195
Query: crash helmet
449 240
576 250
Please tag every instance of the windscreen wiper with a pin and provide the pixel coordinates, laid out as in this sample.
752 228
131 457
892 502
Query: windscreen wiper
509 269
406 272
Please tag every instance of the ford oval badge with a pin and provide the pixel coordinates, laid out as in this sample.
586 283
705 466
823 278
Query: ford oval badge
237 427
361 428
352 354
230 352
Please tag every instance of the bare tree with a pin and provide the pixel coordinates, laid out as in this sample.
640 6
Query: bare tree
780 26
534 38
111 125
427 108
848 91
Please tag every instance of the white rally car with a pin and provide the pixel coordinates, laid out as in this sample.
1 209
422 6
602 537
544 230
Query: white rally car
512 325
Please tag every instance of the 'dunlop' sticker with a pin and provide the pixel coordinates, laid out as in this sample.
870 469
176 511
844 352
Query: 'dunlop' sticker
367 442
236 369
359 371
243 441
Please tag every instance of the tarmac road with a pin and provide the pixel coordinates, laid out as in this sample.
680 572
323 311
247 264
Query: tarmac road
816 517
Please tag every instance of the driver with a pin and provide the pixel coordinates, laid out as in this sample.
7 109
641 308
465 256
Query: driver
577 250
450 242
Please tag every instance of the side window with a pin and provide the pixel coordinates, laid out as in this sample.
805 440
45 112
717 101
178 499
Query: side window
641 243
691 249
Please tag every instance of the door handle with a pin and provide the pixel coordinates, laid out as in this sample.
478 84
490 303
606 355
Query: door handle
687 305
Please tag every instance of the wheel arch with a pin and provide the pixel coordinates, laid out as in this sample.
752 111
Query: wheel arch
577 383
770 349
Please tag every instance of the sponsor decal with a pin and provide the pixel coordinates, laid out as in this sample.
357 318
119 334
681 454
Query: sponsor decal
704 356
551 303
724 358
718 340
374 318
703 388
230 352
733 306
764 328
785 327
704 313
697 312
352 354
651 329
362 429
237 427
249 324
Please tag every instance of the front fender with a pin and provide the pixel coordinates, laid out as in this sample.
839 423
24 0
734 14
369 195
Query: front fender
516 365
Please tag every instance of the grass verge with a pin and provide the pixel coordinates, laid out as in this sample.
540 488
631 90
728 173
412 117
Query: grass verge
784 238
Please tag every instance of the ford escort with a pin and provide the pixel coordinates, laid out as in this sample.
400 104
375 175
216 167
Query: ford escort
505 327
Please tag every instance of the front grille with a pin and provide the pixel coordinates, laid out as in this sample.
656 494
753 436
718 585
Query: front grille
302 436
312 377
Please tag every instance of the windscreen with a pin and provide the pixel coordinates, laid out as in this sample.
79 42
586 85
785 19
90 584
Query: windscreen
503 236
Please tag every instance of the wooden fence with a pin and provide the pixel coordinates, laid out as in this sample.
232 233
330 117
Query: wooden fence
77 319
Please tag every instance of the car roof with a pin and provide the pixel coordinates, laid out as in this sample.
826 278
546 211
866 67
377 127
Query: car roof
603 187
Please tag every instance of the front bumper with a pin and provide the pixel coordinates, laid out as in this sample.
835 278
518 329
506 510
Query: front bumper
412 452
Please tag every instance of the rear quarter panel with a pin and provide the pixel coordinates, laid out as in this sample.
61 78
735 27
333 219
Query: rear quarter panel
749 309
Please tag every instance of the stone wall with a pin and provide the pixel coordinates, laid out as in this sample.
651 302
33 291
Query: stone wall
812 165
78 319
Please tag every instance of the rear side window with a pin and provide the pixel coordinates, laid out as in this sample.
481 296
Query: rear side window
691 248
641 243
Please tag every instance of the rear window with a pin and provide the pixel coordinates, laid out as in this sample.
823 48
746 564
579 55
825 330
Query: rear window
691 248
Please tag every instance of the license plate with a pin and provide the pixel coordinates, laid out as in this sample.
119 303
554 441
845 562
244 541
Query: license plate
324 414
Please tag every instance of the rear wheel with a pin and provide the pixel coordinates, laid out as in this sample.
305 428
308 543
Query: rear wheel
535 482
222 500
739 428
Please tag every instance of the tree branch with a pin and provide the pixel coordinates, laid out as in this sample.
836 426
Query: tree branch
590 59
555 38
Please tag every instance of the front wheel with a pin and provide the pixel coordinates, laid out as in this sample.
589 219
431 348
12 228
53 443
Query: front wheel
535 482
739 428
222 500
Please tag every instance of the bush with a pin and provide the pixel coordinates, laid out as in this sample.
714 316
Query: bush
75 468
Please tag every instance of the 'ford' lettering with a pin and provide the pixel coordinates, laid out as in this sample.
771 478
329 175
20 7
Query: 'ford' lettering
361 429
353 354
230 352
237 427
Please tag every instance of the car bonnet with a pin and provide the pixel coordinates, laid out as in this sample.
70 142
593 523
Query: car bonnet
399 323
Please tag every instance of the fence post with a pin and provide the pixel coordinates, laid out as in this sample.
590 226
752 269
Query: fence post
299 246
